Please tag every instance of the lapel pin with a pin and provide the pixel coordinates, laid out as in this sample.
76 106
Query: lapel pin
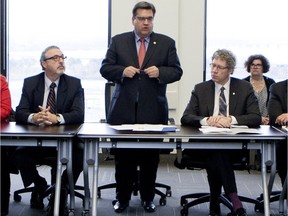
233 93
154 42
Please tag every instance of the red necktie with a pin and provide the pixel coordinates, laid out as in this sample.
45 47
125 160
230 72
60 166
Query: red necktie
142 52
51 100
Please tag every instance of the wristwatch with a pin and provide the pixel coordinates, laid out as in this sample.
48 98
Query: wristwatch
58 118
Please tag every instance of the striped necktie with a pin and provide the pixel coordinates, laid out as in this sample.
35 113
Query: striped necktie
51 100
222 103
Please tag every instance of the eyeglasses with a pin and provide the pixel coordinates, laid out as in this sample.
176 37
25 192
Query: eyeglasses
56 58
256 65
218 67
143 19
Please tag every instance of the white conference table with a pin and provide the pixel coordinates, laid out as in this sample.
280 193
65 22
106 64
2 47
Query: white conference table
100 135
59 136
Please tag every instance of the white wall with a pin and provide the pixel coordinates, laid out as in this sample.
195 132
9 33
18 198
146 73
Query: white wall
183 20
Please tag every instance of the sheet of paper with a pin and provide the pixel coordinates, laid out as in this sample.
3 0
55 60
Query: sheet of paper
285 128
232 130
145 127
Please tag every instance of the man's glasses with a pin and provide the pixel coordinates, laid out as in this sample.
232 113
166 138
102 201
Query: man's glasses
143 19
256 65
56 58
218 67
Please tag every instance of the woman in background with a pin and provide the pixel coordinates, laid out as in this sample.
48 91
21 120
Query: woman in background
257 65
5 176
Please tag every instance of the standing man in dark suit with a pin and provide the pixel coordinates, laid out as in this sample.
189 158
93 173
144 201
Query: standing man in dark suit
34 108
278 113
139 97
205 108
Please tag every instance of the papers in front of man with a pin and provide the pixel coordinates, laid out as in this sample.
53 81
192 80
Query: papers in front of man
285 128
145 127
235 129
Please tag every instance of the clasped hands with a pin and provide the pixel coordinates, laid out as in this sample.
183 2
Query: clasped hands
44 117
219 121
130 71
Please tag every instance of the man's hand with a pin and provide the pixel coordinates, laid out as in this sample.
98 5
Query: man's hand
152 72
44 117
130 71
282 119
219 121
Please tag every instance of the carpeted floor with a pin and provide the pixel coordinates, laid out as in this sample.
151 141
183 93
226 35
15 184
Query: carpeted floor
181 181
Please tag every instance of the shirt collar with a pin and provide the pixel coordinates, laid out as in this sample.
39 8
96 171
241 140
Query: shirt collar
226 86
137 38
48 82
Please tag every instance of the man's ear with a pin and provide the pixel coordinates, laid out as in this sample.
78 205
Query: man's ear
43 64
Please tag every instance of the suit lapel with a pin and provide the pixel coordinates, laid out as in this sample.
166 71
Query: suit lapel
233 95
210 93
151 48
132 49
39 93
62 92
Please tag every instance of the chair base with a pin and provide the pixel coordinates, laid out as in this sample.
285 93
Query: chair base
162 195
199 198
17 197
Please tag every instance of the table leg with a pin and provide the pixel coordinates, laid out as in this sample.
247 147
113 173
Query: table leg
58 180
86 178
68 145
91 158
268 159
64 156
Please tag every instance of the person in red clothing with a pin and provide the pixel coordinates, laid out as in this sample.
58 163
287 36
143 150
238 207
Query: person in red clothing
5 176
5 100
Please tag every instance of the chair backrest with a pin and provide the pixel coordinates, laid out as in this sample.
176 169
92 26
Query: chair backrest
109 89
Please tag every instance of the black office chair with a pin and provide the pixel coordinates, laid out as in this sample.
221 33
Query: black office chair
52 162
279 195
194 159
109 88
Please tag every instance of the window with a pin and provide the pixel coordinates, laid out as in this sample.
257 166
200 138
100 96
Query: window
80 29
249 27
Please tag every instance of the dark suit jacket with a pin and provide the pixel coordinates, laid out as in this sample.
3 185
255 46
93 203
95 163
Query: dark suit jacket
70 99
243 104
268 82
150 93
278 100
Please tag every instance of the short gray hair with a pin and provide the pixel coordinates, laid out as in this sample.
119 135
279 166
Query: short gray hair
43 54
226 55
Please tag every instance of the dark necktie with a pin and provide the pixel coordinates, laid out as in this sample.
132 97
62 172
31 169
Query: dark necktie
142 52
51 100
222 103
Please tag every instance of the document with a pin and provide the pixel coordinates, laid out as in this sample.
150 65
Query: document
285 128
235 129
146 127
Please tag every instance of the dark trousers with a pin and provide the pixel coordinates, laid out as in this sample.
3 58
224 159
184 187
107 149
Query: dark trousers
5 181
126 163
220 172
281 159
27 159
